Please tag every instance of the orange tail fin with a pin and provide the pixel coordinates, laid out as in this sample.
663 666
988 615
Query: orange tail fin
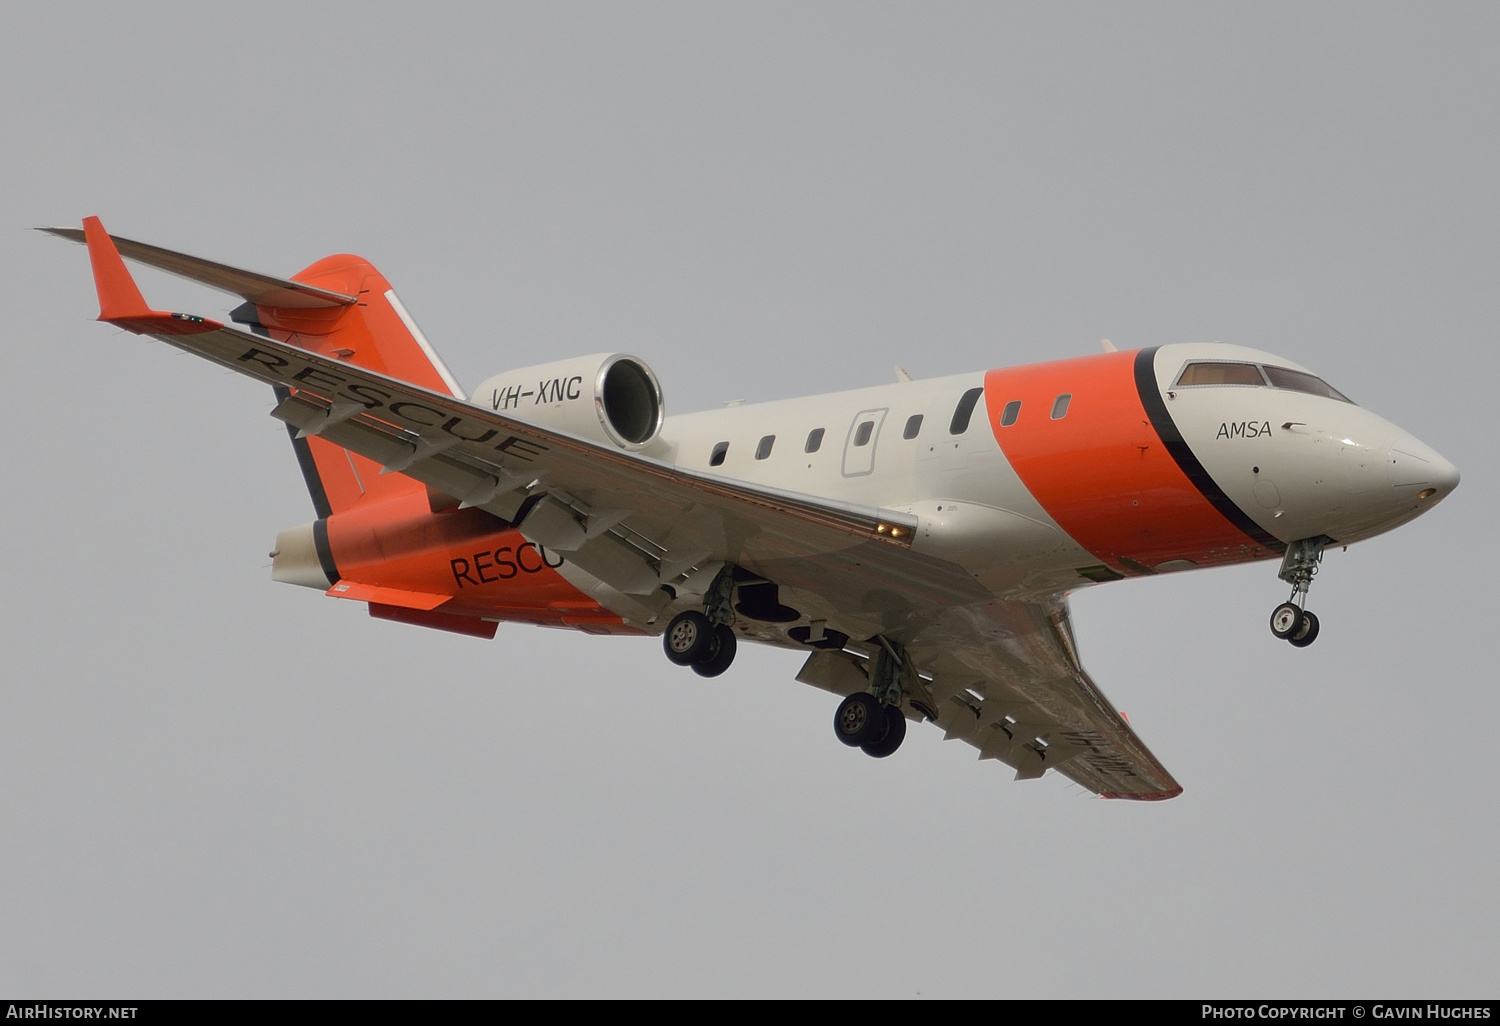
341 307
375 332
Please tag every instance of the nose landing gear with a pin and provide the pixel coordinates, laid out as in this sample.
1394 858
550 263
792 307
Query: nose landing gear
1298 626
1290 621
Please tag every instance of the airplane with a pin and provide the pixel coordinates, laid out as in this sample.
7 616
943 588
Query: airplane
916 540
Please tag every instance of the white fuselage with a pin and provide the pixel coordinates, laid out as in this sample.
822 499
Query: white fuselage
1297 465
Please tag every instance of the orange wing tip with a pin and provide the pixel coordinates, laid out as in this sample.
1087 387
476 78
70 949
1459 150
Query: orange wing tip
119 298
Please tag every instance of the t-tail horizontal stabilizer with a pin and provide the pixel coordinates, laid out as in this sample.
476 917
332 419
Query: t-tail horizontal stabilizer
261 289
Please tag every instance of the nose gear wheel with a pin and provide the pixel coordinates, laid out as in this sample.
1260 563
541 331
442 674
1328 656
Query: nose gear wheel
1285 620
1290 621
1307 633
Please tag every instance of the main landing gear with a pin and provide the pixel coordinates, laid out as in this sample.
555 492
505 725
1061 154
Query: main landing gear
872 721
1290 621
705 640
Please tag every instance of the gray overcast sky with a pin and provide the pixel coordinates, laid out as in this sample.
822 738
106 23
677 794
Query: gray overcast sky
212 785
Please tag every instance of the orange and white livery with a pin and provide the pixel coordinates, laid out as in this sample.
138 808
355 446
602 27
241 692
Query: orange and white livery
918 539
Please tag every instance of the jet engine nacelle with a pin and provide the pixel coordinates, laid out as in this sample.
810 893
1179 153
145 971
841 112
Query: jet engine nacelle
607 397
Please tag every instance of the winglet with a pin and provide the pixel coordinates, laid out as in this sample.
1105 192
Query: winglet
119 298
120 301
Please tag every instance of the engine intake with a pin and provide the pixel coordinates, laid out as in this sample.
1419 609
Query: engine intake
606 397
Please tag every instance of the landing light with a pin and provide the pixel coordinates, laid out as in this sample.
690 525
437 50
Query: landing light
1427 493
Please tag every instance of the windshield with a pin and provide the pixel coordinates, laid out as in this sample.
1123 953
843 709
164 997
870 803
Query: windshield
1301 381
1224 372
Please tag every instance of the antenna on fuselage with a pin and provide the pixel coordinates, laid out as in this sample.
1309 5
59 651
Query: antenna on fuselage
1108 346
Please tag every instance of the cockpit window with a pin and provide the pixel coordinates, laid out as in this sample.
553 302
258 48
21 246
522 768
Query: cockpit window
1220 374
1301 381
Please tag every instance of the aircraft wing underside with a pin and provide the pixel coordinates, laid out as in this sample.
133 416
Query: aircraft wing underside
1000 675
1004 677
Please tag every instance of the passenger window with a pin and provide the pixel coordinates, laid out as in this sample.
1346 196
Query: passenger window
913 425
764 448
862 435
1010 413
814 440
1060 405
1300 381
964 410
1220 374
720 451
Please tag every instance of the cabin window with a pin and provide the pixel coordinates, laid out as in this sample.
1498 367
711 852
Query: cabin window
764 448
913 425
814 440
1220 374
863 432
964 410
1060 405
1010 413
1301 381
720 451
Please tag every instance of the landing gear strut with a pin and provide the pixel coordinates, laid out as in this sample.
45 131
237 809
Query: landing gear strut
872 721
1291 621
705 641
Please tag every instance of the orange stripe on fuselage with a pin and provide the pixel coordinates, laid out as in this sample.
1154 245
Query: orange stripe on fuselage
488 570
1102 472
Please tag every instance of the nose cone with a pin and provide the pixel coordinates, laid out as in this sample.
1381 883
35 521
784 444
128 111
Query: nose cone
1418 473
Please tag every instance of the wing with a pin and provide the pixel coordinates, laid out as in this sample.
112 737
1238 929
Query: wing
1004 676
1001 675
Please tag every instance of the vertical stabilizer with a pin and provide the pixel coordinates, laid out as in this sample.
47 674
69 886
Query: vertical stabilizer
376 332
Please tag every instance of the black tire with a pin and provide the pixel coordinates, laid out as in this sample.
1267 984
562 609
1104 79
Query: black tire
688 638
1286 620
859 720
722 656
895 733
1307 633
